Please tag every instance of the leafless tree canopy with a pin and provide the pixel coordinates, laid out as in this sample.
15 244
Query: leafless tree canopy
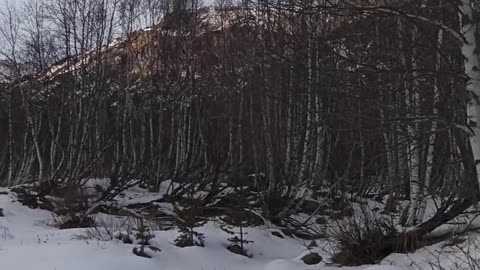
294 99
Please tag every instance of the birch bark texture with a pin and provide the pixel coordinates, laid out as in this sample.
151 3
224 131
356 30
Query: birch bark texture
470 31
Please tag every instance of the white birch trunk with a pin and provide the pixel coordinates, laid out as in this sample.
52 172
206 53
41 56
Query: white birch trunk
470 51
10 141
305 158
414 149
320 140
288 154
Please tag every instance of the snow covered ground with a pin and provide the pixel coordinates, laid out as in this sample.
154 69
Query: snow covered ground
29 241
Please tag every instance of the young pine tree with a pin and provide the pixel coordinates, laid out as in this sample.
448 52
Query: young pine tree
188 216
236 220
143 235
143 232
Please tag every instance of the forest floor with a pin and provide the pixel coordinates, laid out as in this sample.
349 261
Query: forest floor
29 240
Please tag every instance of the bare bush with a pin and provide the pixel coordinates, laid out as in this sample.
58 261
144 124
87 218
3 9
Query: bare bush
362 239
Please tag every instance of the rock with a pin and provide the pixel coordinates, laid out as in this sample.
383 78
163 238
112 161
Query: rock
1 212
277 234
312 258
237 250
140 251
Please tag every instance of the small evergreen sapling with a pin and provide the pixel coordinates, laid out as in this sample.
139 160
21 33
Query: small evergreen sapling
237 217
188 216
143 235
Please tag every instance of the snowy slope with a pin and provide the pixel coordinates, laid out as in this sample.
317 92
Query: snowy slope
29 241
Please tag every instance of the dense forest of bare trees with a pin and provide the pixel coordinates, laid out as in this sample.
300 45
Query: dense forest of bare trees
291 98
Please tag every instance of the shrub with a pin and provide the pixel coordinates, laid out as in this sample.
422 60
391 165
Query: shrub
73 220
363 239
72 206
